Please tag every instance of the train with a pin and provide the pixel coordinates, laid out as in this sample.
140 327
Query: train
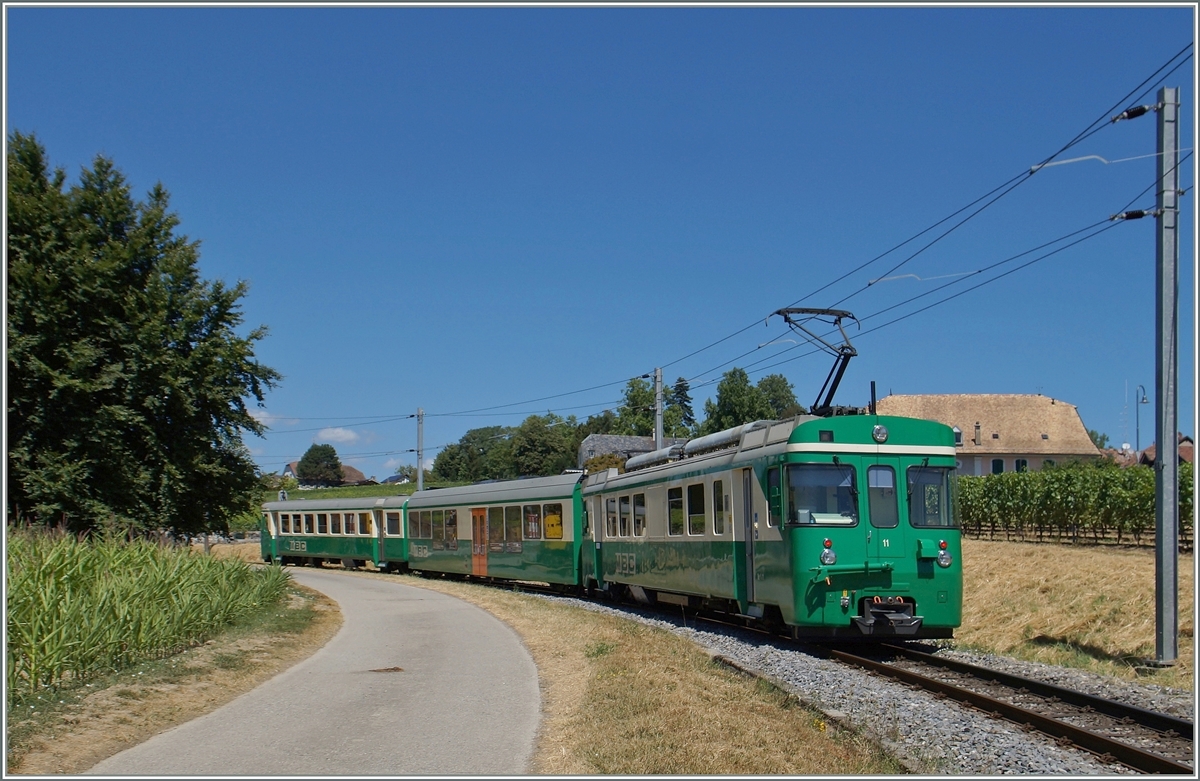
829 527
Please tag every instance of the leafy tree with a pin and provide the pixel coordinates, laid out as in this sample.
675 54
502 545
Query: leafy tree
780 395
127 380
409 471
480 454
1098 439
738 402
604 423
544 445
320 465
635 416
604 461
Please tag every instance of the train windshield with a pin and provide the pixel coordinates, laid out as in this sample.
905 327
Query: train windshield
931 496
822 493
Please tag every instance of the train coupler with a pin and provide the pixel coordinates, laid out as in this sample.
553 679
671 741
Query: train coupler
887 616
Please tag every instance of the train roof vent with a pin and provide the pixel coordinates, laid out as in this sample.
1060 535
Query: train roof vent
730 437
661 456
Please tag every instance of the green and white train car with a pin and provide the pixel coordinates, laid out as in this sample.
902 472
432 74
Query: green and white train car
351 531
526 529
837 527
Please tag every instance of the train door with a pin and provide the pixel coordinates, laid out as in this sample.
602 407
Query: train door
885 535
479 541
749 530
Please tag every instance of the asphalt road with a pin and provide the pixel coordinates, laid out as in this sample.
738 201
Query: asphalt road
466 701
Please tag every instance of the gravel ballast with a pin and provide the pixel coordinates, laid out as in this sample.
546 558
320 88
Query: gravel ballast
926 734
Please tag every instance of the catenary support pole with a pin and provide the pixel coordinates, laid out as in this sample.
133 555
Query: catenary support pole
1166 366
420 449
658 410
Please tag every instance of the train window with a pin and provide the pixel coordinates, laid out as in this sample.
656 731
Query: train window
322 523
610 514
393 523
512 528
639 515
774 497
674 511
720 500
366 525
426 525
552 515
496 528
452 529
533 521
308 523
881 497
822 493
930 497
623 504
286 523
695 508
997 466
439 528
351 526
335 523
414 524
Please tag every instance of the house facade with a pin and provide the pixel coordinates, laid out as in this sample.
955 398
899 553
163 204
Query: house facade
350 475
625 446
999 432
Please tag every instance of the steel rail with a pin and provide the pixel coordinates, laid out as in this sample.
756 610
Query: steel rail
1130 756
1162 722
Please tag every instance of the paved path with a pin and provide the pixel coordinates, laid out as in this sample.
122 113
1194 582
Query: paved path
466 703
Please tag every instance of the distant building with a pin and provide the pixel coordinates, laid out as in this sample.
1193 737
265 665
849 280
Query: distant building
997 432
350 475
398 479
625 446
1149 456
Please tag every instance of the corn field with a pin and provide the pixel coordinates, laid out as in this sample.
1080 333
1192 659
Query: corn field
1091 503
78 608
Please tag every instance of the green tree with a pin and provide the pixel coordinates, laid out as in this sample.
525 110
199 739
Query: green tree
480 454
738 402
780 395
127 379
320 465
678 418
1098 439
544 445
635 416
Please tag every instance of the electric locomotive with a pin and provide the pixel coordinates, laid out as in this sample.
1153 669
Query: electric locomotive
833 525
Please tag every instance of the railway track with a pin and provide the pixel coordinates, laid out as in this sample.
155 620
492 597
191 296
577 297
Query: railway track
1140 739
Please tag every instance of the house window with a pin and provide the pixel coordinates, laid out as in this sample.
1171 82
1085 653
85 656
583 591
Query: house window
1047 462
997 466
957 436
1021 465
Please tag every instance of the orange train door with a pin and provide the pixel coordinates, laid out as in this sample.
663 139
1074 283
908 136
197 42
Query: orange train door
479 541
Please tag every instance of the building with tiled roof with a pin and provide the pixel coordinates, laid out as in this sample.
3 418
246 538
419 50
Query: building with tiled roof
350 475
625 446
1186 452
1002 432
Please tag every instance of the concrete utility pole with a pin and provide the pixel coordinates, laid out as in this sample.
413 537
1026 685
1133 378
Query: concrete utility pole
658 410
420 449
1166 367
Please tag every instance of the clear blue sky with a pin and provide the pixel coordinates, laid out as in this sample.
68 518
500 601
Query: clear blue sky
459 208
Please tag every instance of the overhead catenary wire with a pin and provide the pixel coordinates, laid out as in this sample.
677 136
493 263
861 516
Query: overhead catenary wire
1010 184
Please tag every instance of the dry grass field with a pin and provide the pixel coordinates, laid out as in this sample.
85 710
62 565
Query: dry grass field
1077 606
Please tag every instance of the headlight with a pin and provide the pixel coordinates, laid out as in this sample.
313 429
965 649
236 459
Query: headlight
944 559
828 556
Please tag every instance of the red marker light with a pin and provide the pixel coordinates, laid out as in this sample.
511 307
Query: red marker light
828 543
942 544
